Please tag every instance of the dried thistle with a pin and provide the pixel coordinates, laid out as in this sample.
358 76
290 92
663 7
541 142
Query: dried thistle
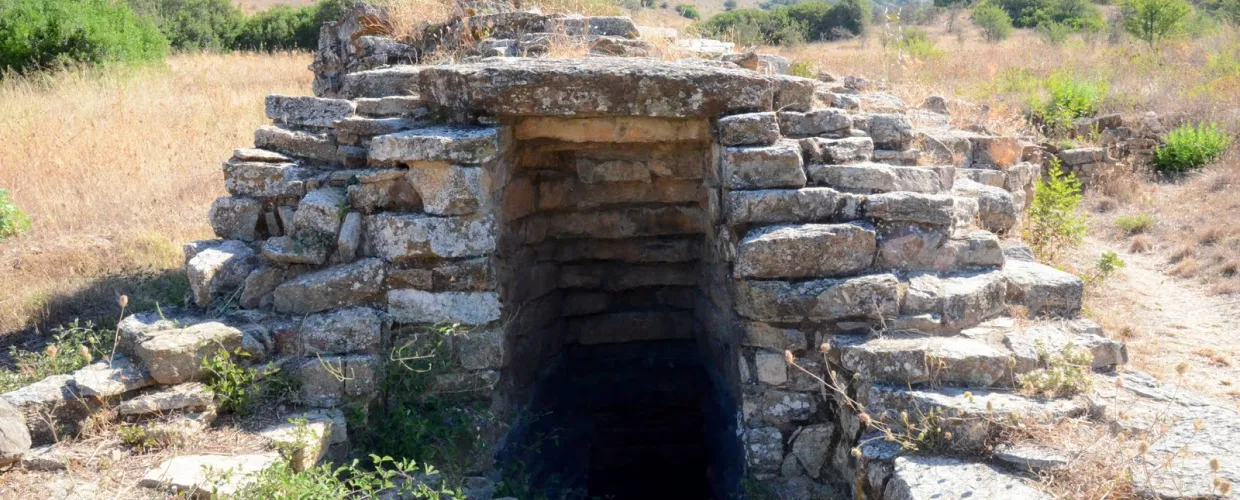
856 452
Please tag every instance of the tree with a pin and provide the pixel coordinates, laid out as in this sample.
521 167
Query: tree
996 25
688 11
729 5
1154 20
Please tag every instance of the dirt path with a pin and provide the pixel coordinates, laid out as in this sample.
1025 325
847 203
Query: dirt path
1167 321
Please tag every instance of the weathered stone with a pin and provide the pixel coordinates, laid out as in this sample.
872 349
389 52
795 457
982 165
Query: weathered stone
308 248
51 407
401 237
814 123
105 379
891 131
329 381
1031 345
771 206
187 397
319 213
777 166
1031 458
969 299
457 383
303 439
936 104
48 458
464 275
447 189
1042 289
870 177
612 129
480 350
344 331
911 246
793 93
218 270
259 155
235 218
930 477
1082 156
807 250
837 151
1016 250
175 356
812 447
395 195
916 359
14 436
871 297
569 192
418 306
265 180
365 127
977 249
473 145
591 170
933 209
379 83
996 208
339 286
771 367
755 334
592 87
203 476
778 408
308 111
751 129
349 241
316 146
397 105
627 222
764 449
617 46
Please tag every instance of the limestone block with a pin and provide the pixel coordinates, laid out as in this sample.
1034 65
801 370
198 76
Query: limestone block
382 83
1042 289
869 296
187 397
1029 344
175 356
366 127
812 447
343 331
303 439
235 218
402 237
105 379
778 408
320 213
307 248
218 270
806 250
977 249
925 477
611 129
419 306
876 177
259 155
750 129
396 195
482 381
777 166
764 449
901 359
51 407
621 47
932 209
771 206
308 111
316 146
205 475
970 298
327 381
792 93
837 151
891 131
819 122
447 189
570 192
349 242
924 294
627 222
908 246
997 210
771 367
757 334
340 286
481 349
265 179
397 105
596 170
474 145
14 436
464 275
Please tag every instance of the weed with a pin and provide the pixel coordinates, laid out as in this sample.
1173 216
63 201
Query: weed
12 220
1054 223
1134 224
137 437
1107 264
1062 373
399 479
235 387
73 346
804 69
1190 147
1068 98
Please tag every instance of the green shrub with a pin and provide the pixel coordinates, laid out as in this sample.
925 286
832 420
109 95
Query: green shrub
1054 33
1134 224
1154 20
1190 147
36 34
1078 14
1068 98
788 24
916 42
996 25
12 220
1054 224
73 346
804 69
235 387
402 479
193 24
688 11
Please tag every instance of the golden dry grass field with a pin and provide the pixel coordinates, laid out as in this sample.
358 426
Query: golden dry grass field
116 169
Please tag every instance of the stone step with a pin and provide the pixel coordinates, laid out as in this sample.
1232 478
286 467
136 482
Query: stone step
204 476
878 177
915 359
806 251
934 477
971 415
1044 290
1030 342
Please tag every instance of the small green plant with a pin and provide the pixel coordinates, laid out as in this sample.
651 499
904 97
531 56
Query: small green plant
1190 147
996 25
1107 264
1068 98
804 69
1054 223
12 220
688 11
235 387
73 346
1054 33
1135 224
398 478
137 437
916 42
1061 373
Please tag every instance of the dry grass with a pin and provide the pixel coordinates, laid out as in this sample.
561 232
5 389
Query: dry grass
1100 460
116 169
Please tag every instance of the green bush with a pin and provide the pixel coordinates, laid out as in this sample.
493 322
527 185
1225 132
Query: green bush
1134 224
12 220
791 24
73 346
1154 20
916 42
193 24
1190 147
401 479
1078 14
688 11
1054 33
36 34
1054 224
996 25
1068 98
803 69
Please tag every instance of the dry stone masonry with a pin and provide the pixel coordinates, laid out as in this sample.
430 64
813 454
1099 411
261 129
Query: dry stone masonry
657 261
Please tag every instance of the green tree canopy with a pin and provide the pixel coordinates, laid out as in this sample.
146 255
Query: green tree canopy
1154 20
